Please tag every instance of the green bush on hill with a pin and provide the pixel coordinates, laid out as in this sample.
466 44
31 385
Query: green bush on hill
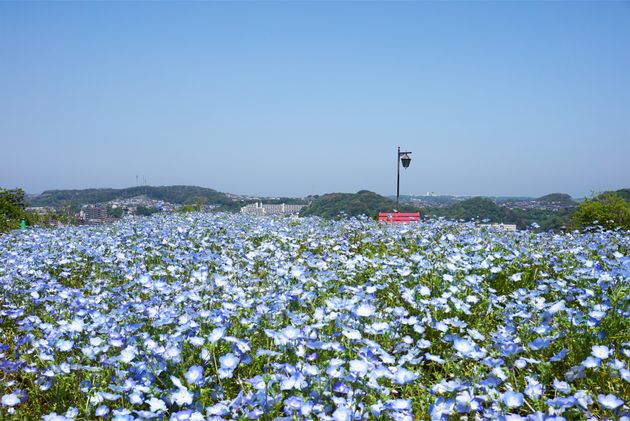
608 210
11 209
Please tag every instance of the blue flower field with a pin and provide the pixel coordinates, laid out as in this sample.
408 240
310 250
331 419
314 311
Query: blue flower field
220 317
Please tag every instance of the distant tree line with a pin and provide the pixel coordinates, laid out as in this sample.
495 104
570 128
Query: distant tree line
189 196
364 202
610 210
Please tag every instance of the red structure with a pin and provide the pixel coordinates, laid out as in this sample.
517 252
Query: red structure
398 217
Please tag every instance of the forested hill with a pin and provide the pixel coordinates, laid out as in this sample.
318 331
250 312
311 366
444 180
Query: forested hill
484 209
560 198
363 202
172 194
624 193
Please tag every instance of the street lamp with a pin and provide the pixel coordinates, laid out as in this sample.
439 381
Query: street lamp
406 160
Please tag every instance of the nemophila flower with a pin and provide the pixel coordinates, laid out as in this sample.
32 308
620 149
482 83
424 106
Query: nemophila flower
65 345
122 415
342 414
583 398
534 388
398 404
182 397
559 356
365 310
561 403
600 351
219 409
172 353
539 343
464 346
291 333
574 373
136 398
591 362
359 367
435 358
512 399
609 401
295 381
11 399
196 341
562 387
466 402
441 408
228 362
194 375
72 412
403 376
101 411
157 405
128 354
293 404
54 417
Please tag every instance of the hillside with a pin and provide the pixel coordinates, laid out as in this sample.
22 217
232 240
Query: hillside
477 208
481 208
624 193
172 194
351 204
557 198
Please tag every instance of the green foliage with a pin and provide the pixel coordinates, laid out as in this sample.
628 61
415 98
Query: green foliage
187 208
115 212
608 210
481 208
623 193
561 198
363 202
171 194
144 211
11 209
477 208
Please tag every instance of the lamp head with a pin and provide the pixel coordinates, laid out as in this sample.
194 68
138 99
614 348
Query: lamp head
406 160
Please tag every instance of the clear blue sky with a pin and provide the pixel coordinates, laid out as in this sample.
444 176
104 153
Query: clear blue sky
297 98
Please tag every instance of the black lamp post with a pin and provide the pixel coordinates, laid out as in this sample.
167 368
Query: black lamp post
406 160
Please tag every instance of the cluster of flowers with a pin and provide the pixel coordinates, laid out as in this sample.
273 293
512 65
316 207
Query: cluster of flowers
215 316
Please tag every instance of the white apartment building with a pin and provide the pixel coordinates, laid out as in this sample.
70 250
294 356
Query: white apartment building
265 209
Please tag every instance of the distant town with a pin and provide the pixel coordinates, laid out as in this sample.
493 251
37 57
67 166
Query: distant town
142 205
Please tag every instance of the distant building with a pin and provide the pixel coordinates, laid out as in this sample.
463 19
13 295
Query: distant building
41 210
501 227
264 209
93 213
